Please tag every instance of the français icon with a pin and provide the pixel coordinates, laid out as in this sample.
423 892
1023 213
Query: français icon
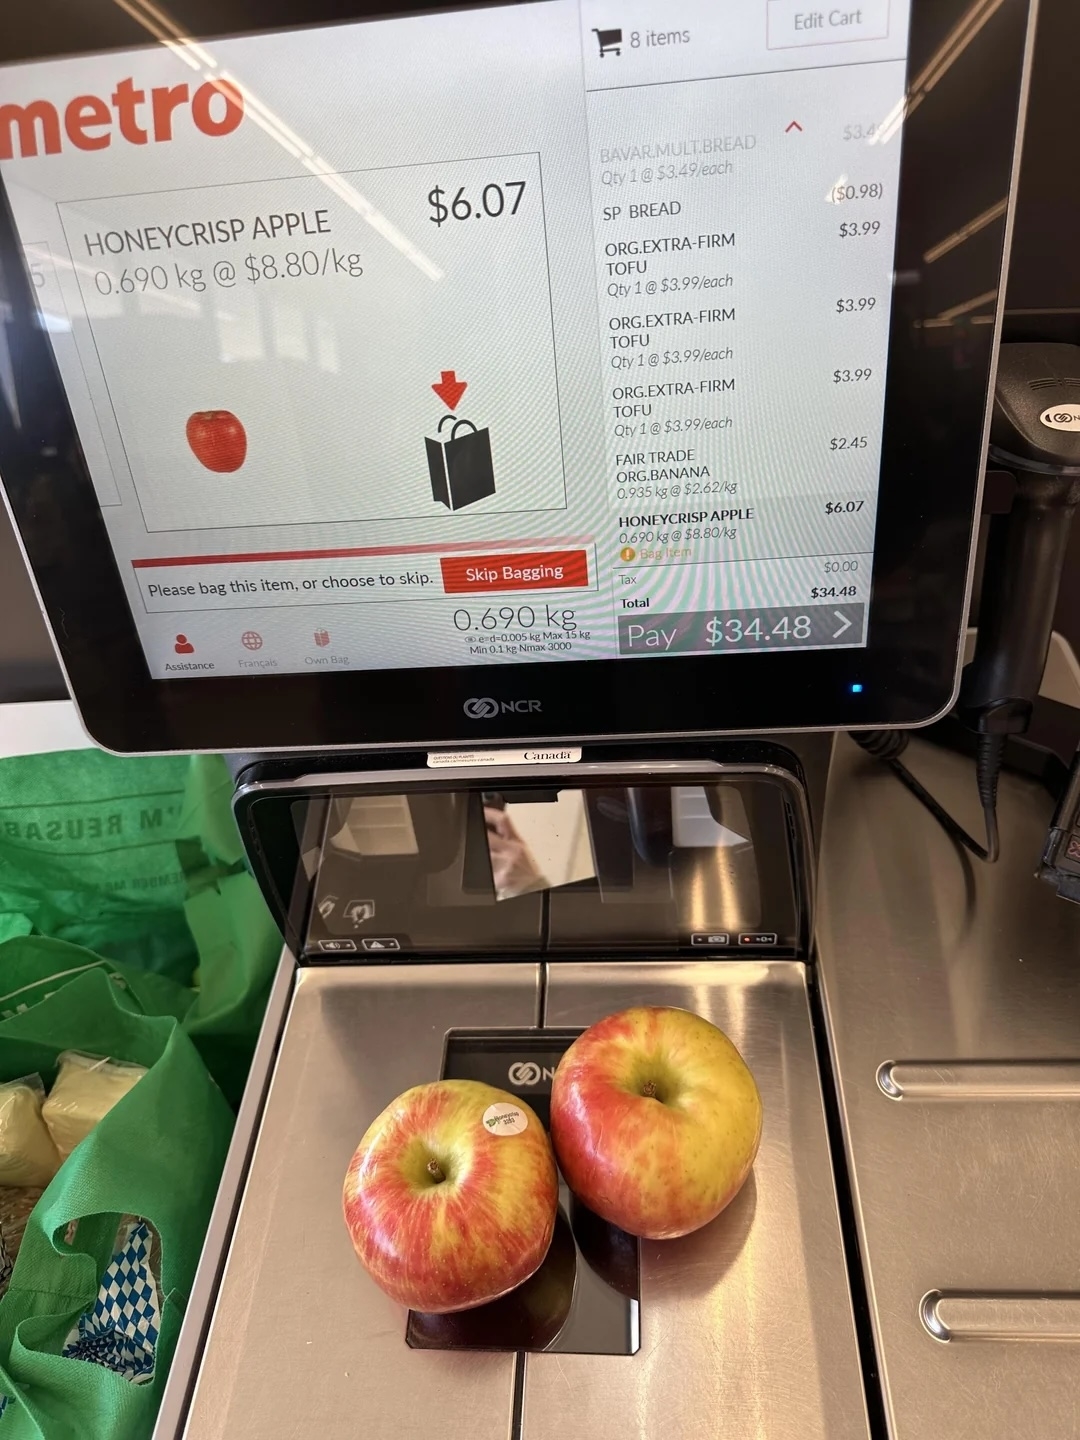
251 640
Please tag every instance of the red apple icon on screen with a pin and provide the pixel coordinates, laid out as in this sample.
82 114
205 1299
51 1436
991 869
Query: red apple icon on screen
217 440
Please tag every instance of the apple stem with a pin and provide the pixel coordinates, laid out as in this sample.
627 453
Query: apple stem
649 1089
434 1169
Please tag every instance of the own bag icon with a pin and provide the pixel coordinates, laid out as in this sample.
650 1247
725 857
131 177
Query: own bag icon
460 467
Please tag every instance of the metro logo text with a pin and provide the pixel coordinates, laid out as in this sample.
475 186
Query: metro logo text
216 108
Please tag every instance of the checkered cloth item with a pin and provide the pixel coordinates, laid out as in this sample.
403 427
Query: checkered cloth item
121 1332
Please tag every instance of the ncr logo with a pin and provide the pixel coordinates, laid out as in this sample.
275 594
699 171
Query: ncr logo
483 707
135 116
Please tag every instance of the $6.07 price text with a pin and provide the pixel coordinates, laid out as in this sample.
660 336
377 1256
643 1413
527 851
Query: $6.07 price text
490 202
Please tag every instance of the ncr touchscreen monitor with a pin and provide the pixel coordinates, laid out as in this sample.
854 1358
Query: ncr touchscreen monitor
557 369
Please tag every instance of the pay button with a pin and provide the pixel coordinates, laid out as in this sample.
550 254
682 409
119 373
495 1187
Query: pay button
795 22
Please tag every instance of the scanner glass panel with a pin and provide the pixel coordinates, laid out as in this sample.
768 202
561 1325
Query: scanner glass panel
657 867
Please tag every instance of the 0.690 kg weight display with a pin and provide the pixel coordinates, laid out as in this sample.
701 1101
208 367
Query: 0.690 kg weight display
521 617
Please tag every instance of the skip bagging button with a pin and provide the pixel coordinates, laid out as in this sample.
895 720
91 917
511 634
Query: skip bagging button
530 570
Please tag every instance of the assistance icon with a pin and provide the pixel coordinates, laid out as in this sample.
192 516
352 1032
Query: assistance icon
459 458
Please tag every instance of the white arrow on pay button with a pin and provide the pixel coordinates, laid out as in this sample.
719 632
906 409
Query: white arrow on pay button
845 624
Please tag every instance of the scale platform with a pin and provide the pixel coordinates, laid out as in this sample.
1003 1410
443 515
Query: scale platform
748 1321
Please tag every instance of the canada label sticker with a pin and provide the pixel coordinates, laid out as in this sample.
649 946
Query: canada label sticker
502 1118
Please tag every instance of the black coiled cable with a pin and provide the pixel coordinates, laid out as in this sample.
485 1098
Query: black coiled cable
889 745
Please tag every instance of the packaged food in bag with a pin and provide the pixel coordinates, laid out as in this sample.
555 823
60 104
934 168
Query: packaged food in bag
86 1089
28 1155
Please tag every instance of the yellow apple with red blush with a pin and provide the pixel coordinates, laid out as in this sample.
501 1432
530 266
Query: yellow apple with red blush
655 1119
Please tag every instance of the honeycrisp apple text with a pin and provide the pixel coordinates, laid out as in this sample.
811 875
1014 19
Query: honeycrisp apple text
219 230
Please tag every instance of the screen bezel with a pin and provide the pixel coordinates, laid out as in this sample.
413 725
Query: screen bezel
959 149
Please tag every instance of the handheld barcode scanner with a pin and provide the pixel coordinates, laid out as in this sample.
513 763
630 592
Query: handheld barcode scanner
1035 433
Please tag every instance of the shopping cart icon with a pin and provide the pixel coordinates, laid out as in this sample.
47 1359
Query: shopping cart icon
610 42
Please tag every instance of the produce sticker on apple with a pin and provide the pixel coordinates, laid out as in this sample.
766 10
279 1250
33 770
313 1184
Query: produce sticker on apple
503 1118
451 1197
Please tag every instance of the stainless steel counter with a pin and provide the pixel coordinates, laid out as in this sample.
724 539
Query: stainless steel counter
746 1327
953 995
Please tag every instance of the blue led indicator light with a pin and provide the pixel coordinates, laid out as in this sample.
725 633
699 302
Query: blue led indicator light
856 689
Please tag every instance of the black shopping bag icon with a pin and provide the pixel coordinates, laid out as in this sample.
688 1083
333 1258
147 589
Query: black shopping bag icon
460 467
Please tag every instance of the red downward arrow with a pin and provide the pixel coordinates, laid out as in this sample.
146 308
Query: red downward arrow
450 389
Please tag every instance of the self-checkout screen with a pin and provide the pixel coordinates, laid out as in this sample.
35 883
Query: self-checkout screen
549 332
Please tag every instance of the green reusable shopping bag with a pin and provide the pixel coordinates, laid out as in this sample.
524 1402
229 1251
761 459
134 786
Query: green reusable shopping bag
88 853
157 1155
139 860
